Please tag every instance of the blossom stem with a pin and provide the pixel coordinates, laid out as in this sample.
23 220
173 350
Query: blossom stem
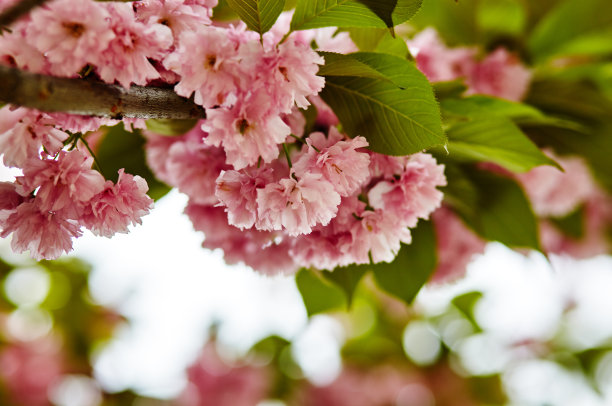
15 12
93 98
303 142
287 155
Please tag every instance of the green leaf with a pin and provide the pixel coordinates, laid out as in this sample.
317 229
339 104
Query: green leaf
498 140
572 224
396 112
347 278
319 295
352 13
567 22
374 65
379 40
413 266
479 106
449 90
258 15
501 16
501 213
166 126
122 149
466 303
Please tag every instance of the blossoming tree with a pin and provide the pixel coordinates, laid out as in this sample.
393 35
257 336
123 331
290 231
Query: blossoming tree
330 138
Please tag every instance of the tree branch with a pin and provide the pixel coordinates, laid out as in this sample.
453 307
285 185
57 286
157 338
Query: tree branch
86 97
15 12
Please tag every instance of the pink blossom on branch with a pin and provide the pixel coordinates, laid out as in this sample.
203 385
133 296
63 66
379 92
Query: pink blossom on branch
70 34
126 59
296 205
338 161
117 206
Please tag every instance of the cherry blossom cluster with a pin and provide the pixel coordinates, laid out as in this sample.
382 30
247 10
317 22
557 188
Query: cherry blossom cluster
329 202
261 190
499 73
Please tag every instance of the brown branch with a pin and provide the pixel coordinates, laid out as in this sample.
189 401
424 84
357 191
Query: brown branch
15 12
86 97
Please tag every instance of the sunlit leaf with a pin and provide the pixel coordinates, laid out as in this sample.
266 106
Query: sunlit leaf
258 15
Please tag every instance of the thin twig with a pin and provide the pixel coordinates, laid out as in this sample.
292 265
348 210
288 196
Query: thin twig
15 12
94 98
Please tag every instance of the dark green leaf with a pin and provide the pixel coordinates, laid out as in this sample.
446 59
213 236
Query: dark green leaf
398 115
502 212
498 140
352 13
122 149
166 126
570 20
482 106
258 15
318 294
451 89
413 266
572 224
347 278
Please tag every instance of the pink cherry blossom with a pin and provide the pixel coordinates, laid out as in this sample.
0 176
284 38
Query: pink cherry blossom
596 224
298 66
193 167
296 205
414 194
117 206
500 74
17 52
555 193
79 124
456 246
29 370
175 14
212 382
9 198
46 234
70 34
125 60
247 131
63 183
23 132
237 191
438 62
340 164
377 236
207 61
387 166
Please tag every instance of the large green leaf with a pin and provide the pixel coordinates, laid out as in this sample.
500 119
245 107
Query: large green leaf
352 13
258 15
498 140
397 112
500 210
570 20
379 40
415 263
122 149
347 278
479 106
319 295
